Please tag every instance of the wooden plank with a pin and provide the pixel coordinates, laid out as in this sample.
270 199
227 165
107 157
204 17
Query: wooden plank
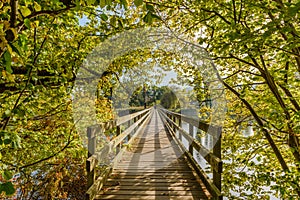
153 168
91 163
154 188
153 193
213 160
146 174
151 181
213 130
217 176
154 183
126 132
157 197
208 183
157 176
98 184
93 130
139 129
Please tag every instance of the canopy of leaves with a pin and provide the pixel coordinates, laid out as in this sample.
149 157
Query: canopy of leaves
254 44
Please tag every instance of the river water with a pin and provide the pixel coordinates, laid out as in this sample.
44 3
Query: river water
207 141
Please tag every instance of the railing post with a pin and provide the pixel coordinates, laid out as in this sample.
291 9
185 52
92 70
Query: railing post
179 125
129 135
191 132
174 126
134 121
217 178
118 148
91 150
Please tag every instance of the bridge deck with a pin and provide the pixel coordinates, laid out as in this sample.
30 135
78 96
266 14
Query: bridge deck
153 168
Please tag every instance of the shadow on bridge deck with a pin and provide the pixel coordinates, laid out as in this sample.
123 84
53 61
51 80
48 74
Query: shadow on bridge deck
153 168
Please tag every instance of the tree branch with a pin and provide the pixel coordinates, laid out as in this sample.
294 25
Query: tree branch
13 12
218 14
51 156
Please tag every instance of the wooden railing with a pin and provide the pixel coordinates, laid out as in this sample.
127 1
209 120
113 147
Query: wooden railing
98 156
173 123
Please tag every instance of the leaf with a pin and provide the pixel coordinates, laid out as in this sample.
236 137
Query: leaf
7 112
120 23
7 175
7 61
102 3
37 7
27 23
124 3
148 18
90 2
77 3
155 16
138 3
15 48
113 21
104 17
7 141
8 188
25 11
150 7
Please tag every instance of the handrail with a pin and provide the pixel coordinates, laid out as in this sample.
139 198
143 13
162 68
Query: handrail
173 123
136 122
208 128
126 118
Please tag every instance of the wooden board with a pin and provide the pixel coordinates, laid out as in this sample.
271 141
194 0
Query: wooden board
153 167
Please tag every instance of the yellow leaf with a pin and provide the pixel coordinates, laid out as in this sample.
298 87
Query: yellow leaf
25 11
4 73
37 6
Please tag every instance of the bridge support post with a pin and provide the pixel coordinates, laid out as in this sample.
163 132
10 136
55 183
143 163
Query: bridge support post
174 127
217 179
179 124
134 121
91 150
191 132
129 135
118 148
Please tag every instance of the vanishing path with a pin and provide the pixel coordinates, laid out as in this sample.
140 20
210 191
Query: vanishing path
153 167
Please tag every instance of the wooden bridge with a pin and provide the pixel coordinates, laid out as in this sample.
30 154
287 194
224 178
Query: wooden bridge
152 157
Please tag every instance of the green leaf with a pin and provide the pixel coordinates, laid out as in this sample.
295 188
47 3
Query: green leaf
7 112
113 21
124 3
155 16
104 17
138 3
8 188
120 23
27 23
37 7
25 11
90 2
15 48
102 3
108 2
7 141
148 18
7 175
7 61
150 7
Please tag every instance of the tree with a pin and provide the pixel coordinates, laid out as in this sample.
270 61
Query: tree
42 45
254 47
169 100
